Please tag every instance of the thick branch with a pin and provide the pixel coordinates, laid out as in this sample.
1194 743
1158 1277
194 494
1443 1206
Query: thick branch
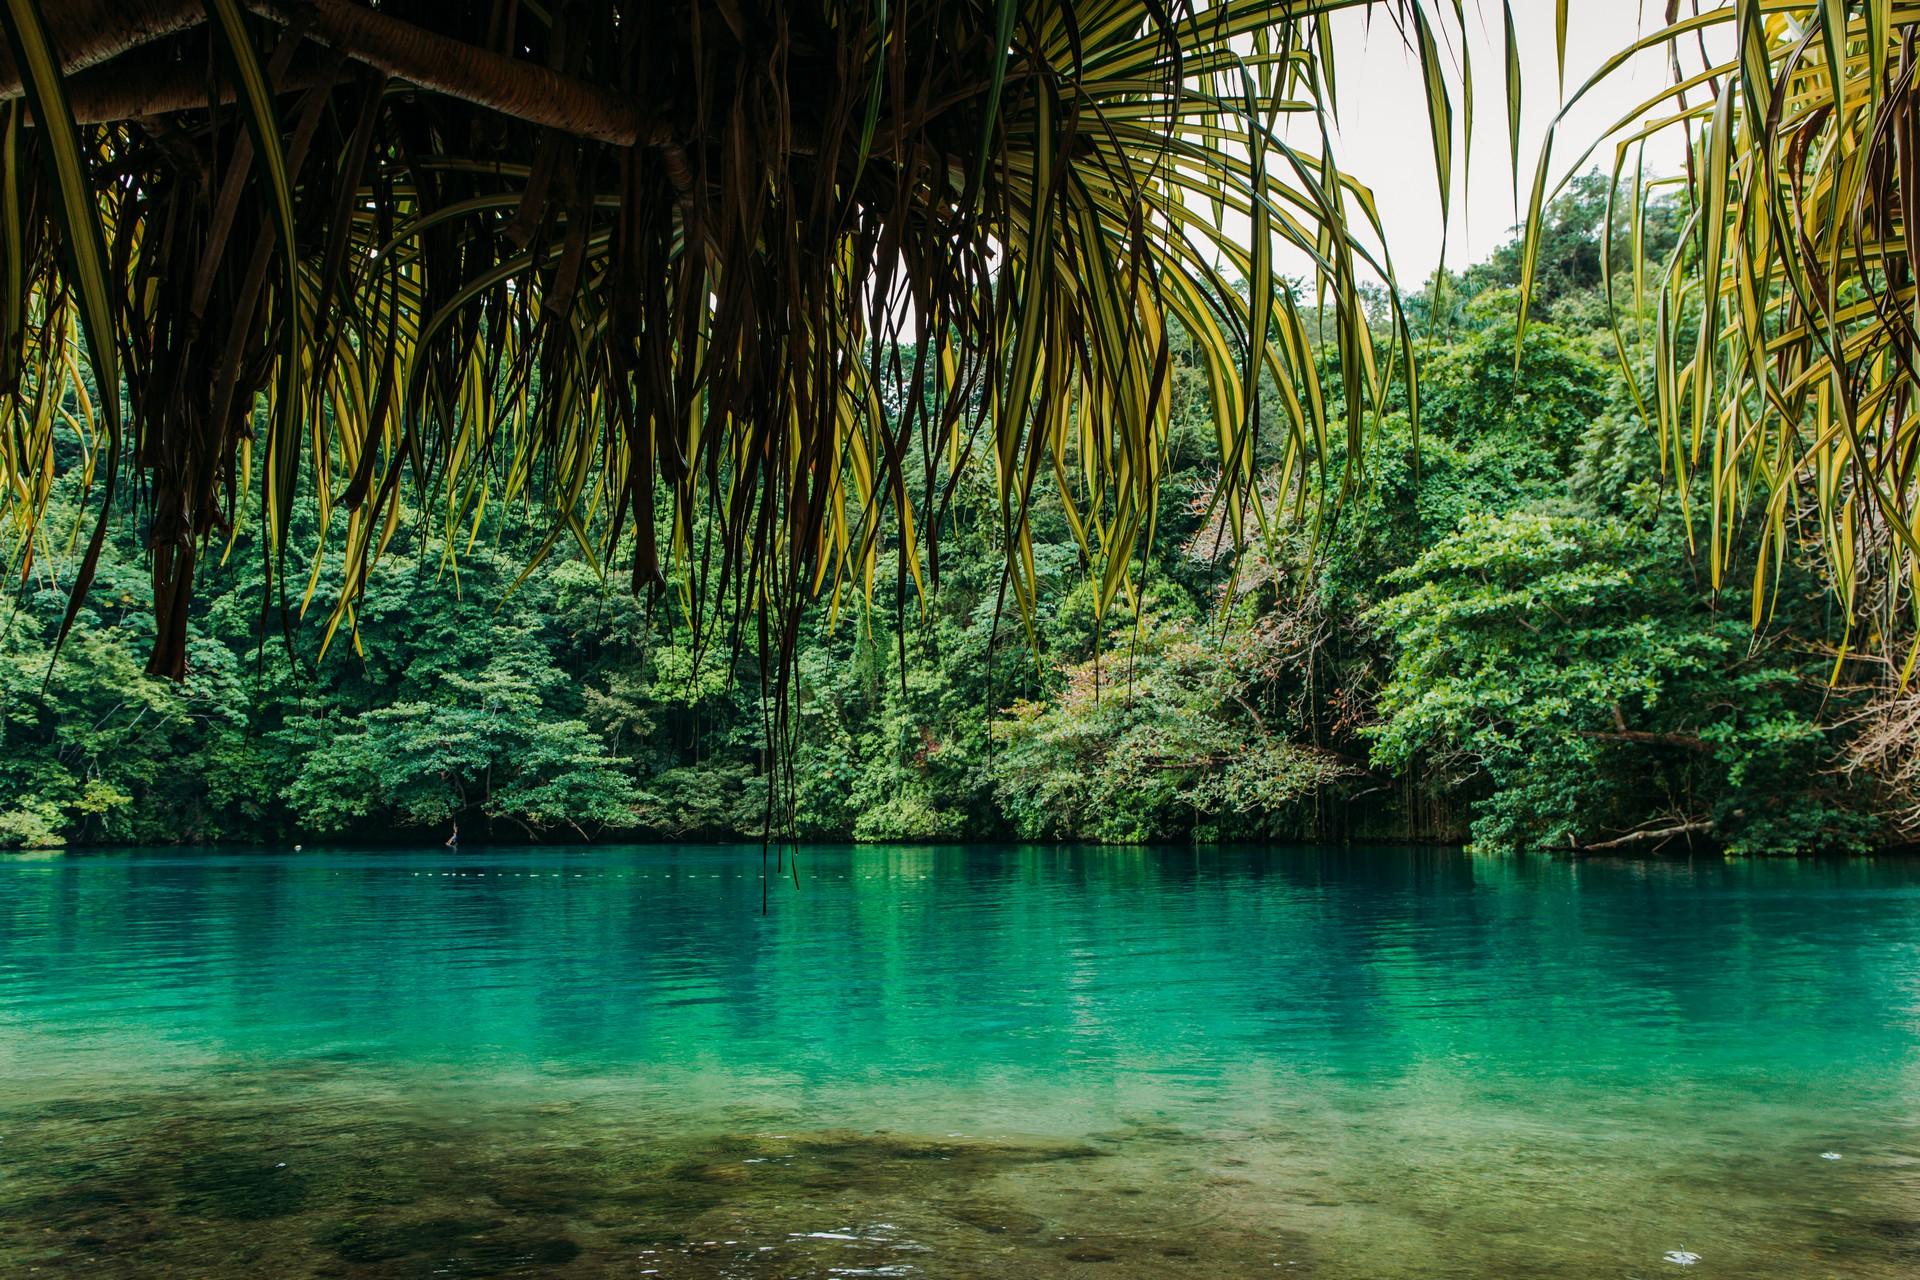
472 74
121 91
1661 834
89 32
86 33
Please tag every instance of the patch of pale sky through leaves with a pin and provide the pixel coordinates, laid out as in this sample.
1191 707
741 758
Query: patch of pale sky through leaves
1383 137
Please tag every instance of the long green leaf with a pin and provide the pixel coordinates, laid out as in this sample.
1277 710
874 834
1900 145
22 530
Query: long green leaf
83 250
263 126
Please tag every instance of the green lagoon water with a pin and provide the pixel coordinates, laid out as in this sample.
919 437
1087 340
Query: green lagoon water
956 1062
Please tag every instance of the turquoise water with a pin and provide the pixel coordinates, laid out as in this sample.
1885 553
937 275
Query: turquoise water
956 1062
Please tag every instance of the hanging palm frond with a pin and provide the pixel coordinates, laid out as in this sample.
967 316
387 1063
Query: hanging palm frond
1785 383
732 289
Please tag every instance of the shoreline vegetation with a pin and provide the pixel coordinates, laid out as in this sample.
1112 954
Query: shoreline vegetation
560 841
1502 640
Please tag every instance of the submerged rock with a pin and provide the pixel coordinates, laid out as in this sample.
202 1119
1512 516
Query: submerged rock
1091 1255
993 1217
234 1186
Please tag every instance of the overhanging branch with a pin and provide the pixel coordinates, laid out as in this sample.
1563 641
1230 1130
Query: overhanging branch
472 74
90 32
1652 835
121 91
87 33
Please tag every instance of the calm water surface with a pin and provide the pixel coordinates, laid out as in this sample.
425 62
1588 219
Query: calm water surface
957 1062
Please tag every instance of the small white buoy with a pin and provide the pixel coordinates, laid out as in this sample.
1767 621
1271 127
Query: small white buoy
1680 1257
297 848
1829 1155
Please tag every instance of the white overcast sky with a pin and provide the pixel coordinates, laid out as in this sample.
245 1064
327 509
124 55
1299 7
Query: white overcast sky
1384 141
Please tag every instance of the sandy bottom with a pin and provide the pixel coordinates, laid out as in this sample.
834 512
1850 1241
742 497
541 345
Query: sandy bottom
324 1171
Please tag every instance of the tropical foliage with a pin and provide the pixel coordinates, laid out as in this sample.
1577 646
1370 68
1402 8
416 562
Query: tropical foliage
924 311
761 270
1783 364
1503 638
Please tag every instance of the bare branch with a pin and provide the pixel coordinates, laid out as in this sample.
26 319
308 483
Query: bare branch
1652 835
87 33
90 32
472 74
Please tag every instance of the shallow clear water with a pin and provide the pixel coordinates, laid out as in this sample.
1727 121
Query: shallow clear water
956 1062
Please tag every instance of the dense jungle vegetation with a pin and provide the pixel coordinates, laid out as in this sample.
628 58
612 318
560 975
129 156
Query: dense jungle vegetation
1503 638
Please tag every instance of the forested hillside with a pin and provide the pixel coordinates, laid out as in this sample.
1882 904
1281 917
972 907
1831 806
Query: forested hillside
1503 635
